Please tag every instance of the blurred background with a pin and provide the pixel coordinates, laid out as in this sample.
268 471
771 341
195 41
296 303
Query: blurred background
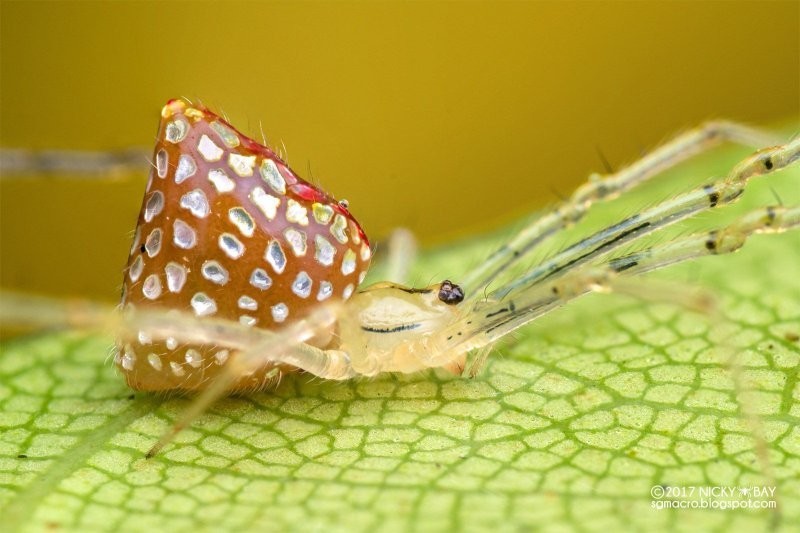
446 118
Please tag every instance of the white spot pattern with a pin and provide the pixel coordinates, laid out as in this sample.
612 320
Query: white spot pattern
177 369
231 246
349 262
162 160
260 279
210 151
366 253
176 276
297 241
183 235
151 288
196 202
325 291
128 358
154 206
176 130
193 358
348 291
245 302
242 164
325 251
154 361
296 213
275 256
272 176
153 243
144 338
214 272
338 228
322 213
267 203
227 135
203 305
242 220
301 285
221 356
279 312
186 168
221 181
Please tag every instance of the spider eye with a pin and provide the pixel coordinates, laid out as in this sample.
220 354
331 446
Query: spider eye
450 293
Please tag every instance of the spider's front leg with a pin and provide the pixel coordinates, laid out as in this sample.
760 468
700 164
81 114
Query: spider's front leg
402 252
601 188
490 323
563 277
681 207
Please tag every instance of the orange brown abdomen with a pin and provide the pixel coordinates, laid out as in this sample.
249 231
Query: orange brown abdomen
227 230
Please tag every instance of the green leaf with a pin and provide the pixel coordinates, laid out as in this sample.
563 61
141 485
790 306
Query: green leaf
571 425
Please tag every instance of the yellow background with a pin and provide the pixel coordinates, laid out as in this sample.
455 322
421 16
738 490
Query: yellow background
447 118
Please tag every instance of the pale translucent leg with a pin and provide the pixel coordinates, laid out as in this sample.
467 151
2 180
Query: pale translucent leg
402 255
606 187
479 361
282 346
254 347
253 343
487 325
681 207
101 165
771 219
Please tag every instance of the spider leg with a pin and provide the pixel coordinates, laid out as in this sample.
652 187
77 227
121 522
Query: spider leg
286 346
402 254
254 345
479 362
681 207
606 187
490 323
97 164
771 219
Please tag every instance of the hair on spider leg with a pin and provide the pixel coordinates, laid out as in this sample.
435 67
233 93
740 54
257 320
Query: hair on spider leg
775 195
606 165
555 192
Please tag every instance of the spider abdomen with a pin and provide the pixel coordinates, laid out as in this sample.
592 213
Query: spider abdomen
227 230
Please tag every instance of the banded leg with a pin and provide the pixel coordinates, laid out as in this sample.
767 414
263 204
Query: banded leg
490 324
681 207
255 347
601 188
772 219
282 346
254 344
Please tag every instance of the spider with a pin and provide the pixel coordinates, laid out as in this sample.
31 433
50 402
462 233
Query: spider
240 270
